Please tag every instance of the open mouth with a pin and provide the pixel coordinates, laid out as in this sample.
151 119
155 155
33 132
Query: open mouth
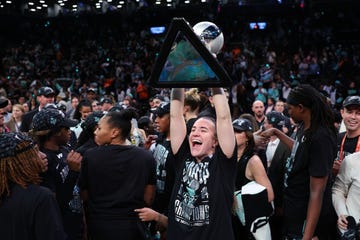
196 142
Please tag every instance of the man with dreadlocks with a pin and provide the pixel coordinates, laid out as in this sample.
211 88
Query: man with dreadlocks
27 210
307 180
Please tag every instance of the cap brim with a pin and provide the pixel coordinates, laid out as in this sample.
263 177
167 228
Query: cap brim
3 103
238 129
352 104
160 113
69 123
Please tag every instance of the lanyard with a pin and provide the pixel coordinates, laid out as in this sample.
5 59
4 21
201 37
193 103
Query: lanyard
357 149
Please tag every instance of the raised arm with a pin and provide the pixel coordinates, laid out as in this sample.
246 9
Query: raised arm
177 120
224 128
282 136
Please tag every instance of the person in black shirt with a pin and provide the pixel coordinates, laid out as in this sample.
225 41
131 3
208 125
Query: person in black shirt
52 132
202 198
27 210
45 95
164 159
250 168
307 180
116 179
349 141
86 138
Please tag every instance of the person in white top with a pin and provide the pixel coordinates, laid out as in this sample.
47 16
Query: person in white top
346 192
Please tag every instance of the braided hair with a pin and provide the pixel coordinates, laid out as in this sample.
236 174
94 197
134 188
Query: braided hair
321 112
19 162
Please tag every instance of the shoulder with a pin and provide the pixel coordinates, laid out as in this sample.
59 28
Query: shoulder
324 133
352 159
31 113
34 193
255 162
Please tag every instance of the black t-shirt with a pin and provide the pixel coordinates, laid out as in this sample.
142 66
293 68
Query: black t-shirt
115 177
201 202
241 178
349 145
59 178
311 156
62 181
165 175
87 145
30 213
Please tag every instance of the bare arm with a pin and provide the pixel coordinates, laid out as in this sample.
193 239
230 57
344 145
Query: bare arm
258 173
177 121
147 214
282 136
149 194
317 187
224 128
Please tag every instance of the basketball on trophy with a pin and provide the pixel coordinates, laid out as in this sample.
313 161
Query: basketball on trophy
211 35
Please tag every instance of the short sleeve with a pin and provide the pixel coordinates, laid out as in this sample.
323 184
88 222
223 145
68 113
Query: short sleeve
321 154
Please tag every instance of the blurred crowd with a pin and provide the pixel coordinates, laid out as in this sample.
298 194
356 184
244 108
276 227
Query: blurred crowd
105 143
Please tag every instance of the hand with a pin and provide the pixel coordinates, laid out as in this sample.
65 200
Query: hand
268 133
147 214
42 160
74 161
44 164
342 222
150 140
260 141
336 166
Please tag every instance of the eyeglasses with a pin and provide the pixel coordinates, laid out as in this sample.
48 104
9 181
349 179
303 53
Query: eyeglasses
3 113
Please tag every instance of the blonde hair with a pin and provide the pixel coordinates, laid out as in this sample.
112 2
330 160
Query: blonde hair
19 106
192 99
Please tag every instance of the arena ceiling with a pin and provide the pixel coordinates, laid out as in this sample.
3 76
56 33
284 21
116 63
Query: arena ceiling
52 8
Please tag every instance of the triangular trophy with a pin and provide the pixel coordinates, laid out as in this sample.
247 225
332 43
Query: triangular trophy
184 61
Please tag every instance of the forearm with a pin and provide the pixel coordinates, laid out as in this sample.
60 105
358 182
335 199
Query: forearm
177 94
224 128
177 121
220 102
284 138
339 201
162 220
313 212
149 194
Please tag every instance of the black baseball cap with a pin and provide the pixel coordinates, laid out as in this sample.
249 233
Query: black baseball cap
46 91
351 100
91 90
162 109
9 144
49 118
92 120
106 100
276 119
242 124
3 102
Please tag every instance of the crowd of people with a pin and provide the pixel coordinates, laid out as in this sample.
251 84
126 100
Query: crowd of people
271 157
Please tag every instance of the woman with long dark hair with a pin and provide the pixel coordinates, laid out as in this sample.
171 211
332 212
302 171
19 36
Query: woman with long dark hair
307 188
